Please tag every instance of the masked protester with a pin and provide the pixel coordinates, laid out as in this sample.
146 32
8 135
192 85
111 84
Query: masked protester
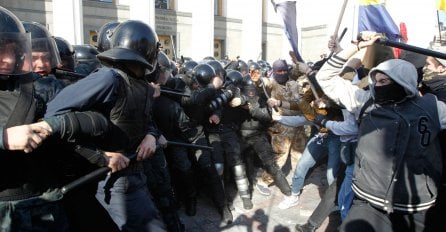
398 164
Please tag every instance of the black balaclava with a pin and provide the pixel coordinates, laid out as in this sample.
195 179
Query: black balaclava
389 93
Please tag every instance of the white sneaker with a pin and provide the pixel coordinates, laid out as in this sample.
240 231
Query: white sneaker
289 201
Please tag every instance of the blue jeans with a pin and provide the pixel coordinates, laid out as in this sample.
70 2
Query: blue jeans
316 149
345 195
128 202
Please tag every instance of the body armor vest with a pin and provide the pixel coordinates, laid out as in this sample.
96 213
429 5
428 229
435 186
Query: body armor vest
21 175
131 112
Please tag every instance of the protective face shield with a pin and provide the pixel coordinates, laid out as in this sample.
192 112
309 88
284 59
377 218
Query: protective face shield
15 46
66 53
44 49
255 71
242 67
104 36
164 68
249 88
133 42
219 69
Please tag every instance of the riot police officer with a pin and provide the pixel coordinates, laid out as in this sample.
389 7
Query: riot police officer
44 49
199 112
121 92
29 194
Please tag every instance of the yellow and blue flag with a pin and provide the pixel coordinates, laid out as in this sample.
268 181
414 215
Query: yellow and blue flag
441 5
373 16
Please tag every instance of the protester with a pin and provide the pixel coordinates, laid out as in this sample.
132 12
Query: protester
397 166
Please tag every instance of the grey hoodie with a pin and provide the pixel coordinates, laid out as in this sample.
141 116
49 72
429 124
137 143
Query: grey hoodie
401 71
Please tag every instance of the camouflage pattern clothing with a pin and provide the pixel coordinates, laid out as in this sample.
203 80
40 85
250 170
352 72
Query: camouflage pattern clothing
285 140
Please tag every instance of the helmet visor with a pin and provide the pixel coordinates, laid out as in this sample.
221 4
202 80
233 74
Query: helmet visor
15 53
47 49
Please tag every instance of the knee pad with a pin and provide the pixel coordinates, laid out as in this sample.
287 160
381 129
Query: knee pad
220 168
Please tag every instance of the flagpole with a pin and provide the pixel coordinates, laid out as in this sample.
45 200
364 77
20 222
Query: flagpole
341 15
439 29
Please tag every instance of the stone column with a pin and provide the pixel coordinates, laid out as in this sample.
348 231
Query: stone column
68 20
202 29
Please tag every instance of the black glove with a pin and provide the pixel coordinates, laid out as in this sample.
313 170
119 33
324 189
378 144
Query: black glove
320 120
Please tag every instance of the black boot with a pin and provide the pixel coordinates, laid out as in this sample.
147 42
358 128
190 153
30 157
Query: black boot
189 191
279 179
226 216
190 206
307 227
218 195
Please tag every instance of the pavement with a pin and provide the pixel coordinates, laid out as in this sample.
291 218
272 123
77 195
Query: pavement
265 216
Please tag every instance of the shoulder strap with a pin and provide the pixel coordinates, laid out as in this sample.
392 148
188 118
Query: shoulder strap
364 107
23 110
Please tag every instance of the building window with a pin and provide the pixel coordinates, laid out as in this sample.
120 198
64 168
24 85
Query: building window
218 7
167 46
93 38
218 49
164 4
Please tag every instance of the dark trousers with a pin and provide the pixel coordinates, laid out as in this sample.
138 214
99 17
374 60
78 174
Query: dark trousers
328 201
159 184
366 218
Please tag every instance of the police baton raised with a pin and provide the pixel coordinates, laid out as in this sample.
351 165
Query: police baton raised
94 175
404 46
189 145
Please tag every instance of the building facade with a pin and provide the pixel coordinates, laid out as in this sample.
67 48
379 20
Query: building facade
250 29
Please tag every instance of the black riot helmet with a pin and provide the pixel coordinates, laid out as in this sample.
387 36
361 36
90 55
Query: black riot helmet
15 42
42 41
242 67
187 67
208 58
234 77
203 74
66 53
104 35
163 61
86 54
219 69
249 88
133 41
254 66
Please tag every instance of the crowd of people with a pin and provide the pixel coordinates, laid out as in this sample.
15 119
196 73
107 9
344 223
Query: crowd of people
163 129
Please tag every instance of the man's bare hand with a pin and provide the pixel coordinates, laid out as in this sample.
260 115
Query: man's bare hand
157 89
272 102
116 161
162 141
26 137
333 44
236 101
146 148
214 119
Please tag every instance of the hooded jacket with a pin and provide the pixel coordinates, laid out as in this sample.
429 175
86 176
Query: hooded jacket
398 161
